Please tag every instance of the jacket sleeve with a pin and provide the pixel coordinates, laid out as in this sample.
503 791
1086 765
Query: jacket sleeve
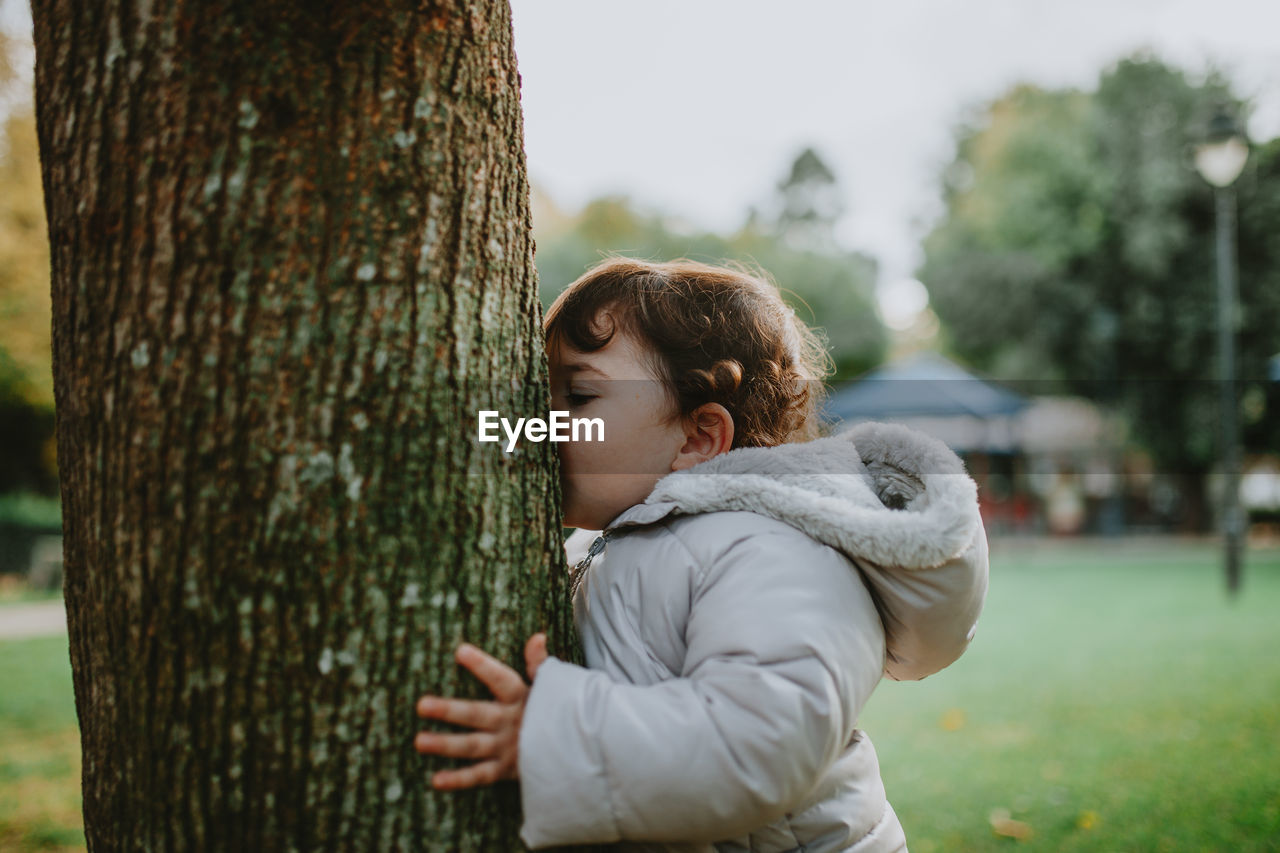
930 615
783 648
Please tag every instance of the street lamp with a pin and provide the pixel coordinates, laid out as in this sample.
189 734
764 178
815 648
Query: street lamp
1219 160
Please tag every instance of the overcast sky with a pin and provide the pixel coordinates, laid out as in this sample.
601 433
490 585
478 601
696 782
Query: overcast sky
696 106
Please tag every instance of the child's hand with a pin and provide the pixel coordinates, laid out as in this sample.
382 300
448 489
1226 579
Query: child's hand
496 746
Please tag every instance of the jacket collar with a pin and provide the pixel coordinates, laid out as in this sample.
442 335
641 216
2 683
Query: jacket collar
642 515
880 492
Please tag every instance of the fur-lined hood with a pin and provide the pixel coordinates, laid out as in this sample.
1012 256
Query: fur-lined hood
878 492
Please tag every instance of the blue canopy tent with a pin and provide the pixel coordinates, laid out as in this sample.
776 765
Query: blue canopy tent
935 394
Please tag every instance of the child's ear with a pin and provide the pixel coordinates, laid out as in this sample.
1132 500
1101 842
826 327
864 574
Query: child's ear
708 432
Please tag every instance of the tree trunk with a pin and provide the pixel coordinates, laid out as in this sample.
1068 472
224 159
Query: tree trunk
291 260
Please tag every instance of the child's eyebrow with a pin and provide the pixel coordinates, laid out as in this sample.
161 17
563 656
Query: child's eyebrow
584 368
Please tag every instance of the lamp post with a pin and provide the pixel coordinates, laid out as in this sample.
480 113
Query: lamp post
1219 160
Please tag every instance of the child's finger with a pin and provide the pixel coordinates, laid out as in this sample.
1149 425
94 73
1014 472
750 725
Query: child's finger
535 652
505 682
478 745
462 712
484 773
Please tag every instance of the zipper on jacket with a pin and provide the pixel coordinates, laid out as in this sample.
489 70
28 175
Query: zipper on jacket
580 570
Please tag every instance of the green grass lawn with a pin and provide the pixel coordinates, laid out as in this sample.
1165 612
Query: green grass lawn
1113 700
39 748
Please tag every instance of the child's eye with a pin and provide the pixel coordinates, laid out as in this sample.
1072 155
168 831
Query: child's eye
577 400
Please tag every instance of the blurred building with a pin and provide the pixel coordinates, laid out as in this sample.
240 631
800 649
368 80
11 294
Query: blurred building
1042 463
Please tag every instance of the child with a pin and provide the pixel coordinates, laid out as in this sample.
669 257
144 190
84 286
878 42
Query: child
749 588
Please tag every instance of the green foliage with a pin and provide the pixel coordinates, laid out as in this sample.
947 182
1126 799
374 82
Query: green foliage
28 451
829 289
1259 222
30 510
26 363
1078 248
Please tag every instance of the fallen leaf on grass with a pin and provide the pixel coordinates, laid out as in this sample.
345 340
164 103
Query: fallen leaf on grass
1005 826
952 720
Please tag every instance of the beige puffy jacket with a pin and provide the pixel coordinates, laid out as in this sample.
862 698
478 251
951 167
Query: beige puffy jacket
735 624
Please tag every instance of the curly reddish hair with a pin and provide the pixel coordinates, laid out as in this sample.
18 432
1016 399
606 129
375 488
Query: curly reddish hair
715 334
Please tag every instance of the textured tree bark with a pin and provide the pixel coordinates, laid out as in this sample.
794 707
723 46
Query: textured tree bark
291 260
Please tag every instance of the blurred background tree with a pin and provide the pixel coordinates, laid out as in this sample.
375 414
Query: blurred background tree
1259 338
1076 250
829 287
812 203
26 379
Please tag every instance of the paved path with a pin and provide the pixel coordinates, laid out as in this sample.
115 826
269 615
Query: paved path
32 620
